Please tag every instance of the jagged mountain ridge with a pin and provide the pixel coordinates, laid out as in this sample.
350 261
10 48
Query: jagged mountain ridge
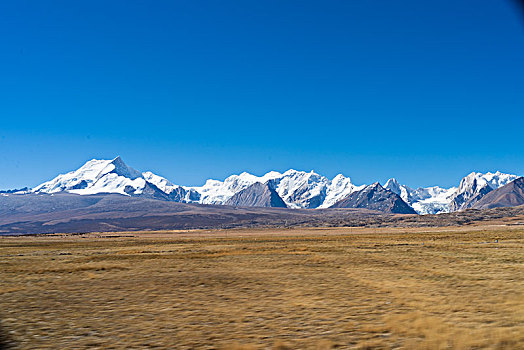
434 200
429 200
298 189
103 176
509 195
475 186
375 197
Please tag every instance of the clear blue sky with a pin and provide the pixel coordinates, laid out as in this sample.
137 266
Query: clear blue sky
425 91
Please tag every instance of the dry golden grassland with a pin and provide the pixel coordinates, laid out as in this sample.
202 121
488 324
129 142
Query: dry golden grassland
266 289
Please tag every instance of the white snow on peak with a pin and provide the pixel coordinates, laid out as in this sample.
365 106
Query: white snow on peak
115 177
97 176
474 181
394 186
114 183
298 189
429 200
84 176
118 167
339 188
434 200
218 192
162 183
477 185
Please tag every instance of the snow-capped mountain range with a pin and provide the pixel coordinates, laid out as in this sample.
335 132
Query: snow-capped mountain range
297 189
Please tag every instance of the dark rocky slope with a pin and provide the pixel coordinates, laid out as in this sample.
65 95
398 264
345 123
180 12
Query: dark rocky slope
375 197
257 195
510 195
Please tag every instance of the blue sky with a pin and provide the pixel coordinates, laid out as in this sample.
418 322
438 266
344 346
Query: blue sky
422 91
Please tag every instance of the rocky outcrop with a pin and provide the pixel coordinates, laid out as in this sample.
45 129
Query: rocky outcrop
257 195
510 195
376 197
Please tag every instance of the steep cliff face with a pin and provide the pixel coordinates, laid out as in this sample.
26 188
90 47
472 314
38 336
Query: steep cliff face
509 195
257 195
475 186
376 197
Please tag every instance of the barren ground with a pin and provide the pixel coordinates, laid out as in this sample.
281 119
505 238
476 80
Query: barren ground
313 288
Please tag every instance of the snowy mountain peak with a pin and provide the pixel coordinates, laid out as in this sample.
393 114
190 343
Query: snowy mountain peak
375 185
393 181
429 200
300 173
340 177
97 176
475 186
117 166
391 184
493 180
81 178
405 192
291 172
338 188
160 182
298 189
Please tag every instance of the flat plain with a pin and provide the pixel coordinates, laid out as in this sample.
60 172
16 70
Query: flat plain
302 288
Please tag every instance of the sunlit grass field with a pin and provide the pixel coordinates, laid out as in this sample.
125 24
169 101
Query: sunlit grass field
266 289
